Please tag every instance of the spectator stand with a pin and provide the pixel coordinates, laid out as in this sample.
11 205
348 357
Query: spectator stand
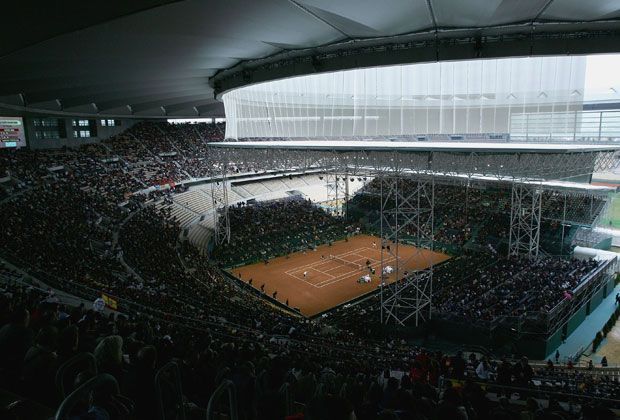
328 381
419 163
475 214
79 203
549 326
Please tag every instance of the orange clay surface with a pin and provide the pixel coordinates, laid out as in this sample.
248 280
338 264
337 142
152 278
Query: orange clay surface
330 282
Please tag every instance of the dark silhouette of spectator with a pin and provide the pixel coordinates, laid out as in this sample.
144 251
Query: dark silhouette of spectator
140 383
523 372
15 340
40 364
458 366
329 408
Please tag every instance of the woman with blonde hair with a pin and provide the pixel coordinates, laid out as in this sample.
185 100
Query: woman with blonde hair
109 356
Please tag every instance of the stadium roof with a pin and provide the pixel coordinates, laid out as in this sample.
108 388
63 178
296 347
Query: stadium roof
158 58
413 146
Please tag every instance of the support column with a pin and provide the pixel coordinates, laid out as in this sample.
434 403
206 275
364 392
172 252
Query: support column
407 211
337 185
563 226
219 197
525 220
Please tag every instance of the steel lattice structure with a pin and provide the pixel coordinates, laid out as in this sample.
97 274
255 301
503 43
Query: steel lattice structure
407 212
525 220
337 185
408 174
219 196
506 161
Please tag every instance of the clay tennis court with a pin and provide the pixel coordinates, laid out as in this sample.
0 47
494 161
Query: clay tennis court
331 272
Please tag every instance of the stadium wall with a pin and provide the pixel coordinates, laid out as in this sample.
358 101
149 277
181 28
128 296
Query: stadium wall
103 132
597 298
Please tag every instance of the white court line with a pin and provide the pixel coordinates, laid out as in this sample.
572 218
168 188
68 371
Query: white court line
325 261
337 279
312 266
305 279
344 275
334 279
298 274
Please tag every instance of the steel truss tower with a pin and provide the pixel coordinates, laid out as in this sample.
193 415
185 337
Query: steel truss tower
219 197
525 220
337 185
407 210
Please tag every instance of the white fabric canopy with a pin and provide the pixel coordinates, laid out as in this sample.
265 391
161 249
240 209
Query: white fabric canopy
476 96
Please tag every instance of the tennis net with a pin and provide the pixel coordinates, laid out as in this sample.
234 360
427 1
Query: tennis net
345 262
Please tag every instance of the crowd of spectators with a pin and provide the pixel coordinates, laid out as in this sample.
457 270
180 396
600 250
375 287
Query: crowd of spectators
145 154
71 219
513 287
481 216
52 229
580 207
269 229
480 289
38 333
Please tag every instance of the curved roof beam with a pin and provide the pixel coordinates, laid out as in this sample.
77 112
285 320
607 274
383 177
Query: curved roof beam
526 39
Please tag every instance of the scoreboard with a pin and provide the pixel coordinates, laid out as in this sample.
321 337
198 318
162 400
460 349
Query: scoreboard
12 132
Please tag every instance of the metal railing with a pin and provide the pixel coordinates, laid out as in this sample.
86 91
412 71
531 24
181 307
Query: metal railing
566 126
227 387
170 373
79 359
104 379
537 391
285 392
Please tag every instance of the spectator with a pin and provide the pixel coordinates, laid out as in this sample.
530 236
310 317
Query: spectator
483 370
141 383
68 343
523 372
458 366
109 356
329 408
15 340
40 364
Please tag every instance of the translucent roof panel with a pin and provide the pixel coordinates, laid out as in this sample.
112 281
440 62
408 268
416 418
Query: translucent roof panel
476 96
